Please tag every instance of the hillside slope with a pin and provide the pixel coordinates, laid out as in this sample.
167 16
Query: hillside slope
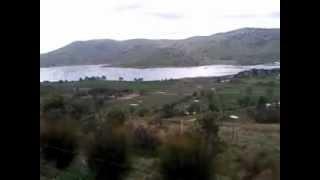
242 46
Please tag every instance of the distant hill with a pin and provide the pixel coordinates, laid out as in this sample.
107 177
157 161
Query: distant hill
245 46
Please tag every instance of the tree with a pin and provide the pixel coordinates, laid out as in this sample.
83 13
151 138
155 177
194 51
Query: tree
116 117
195 94
261 103
108 155
245 101
185 158
167 111
194 107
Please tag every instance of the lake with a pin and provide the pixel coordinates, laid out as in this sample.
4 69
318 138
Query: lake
74 73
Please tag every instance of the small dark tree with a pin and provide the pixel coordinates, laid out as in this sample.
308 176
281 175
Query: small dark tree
143 112
194 107
209 129
195 94
108 155
144 140
261 103
167 111
116 116
186 158
245 101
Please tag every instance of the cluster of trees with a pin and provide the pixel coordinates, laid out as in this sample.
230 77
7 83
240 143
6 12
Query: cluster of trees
93 78
247 99
266 114
138 79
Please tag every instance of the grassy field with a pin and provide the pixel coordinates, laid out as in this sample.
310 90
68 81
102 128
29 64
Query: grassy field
161 92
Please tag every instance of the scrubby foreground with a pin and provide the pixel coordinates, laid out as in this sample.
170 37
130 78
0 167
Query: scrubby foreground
202 128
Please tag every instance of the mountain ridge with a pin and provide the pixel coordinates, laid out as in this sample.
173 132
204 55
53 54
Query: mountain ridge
245 46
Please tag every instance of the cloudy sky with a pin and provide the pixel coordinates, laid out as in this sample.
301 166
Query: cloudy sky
65 21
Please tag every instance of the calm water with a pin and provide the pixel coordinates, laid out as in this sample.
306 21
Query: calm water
73 73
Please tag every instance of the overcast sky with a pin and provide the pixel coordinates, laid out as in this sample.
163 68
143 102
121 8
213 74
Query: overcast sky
65 21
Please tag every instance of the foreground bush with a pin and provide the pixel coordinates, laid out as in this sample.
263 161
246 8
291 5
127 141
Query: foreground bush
267 115
209 129
194 107
169 110
54 107
144 140
107 155
142 112
57 108
116 116
59 143
209 123
53 102
186 158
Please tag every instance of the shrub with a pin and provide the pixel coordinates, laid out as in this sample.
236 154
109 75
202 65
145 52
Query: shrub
144 140
208 123
76 174
59 143
213 105
143 112
108 156
194 107
261 104
167 111
267 115
209 129
53 102
116 116
215 102
256 163
186 158
195 94
245 101
56 108
142 92
53 107
76 109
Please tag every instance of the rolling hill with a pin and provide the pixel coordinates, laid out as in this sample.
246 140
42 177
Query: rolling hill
244 46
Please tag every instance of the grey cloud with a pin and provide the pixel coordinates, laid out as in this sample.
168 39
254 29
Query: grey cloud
170 16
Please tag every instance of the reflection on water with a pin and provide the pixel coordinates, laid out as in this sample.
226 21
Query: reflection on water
74 73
